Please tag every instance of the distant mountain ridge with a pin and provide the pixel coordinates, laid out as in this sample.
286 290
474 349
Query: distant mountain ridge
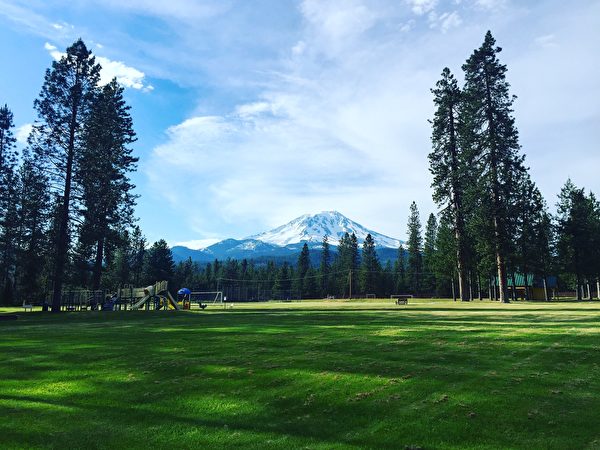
283 243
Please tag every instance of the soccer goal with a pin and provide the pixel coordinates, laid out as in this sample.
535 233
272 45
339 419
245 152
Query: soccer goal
206 297
370 295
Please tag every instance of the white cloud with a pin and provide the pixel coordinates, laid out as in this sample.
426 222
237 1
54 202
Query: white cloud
53 51
337 25
23 132
444 21
196 244
126 76
253 109
421 7
546 41
491 4
299 48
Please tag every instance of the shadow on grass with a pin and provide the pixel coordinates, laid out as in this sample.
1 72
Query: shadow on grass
359 378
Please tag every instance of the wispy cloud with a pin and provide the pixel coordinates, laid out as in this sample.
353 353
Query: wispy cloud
445 21
421 7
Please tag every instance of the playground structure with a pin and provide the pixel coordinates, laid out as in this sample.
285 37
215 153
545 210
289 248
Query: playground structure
153 297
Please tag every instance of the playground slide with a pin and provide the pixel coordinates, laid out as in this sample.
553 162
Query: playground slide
139 304
172 303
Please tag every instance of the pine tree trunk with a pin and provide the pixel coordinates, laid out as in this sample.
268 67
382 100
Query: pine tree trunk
453 290
480 294
97 271
470 286
598 288
514 287
589 294
545 289
502 291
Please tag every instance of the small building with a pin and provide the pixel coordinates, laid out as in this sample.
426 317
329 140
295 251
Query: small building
533 289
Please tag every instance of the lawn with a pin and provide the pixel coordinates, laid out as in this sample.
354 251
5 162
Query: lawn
337 374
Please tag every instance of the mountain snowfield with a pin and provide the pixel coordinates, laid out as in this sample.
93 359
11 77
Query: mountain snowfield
285 242
311 228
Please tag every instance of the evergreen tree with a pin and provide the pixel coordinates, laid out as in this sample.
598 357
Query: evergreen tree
310 284
347 264
415 248
8 201
282 285
370 268
325 268
492 139
429 250
400 283
445 257
63 106
34 218
577 227
532 239
301 270
104 164
158 263
448 165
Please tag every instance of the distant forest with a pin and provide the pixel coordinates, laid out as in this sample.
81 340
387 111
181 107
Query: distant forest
67 216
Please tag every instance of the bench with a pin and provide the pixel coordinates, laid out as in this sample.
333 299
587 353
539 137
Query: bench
401 299
27 306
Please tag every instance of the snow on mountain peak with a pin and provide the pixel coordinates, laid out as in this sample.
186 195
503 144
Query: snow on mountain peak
313 227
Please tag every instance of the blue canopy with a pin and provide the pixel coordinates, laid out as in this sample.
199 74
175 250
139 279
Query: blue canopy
184 291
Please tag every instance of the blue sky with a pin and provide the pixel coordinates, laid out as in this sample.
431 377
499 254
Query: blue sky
250 113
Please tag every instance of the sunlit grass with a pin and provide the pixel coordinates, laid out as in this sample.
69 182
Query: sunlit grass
318 374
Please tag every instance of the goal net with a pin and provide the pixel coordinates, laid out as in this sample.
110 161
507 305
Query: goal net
206 297
370 295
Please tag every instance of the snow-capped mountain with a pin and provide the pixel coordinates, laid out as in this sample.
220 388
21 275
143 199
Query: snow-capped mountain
285 242
312 228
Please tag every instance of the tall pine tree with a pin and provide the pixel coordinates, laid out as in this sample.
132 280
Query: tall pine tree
104 164
325 267
63 106
449 167
370 268
415 249
492 140
8 205
429 250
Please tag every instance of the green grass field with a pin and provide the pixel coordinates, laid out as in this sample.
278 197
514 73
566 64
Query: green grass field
337 374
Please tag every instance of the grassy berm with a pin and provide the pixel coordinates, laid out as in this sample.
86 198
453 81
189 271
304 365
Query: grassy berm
328 375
